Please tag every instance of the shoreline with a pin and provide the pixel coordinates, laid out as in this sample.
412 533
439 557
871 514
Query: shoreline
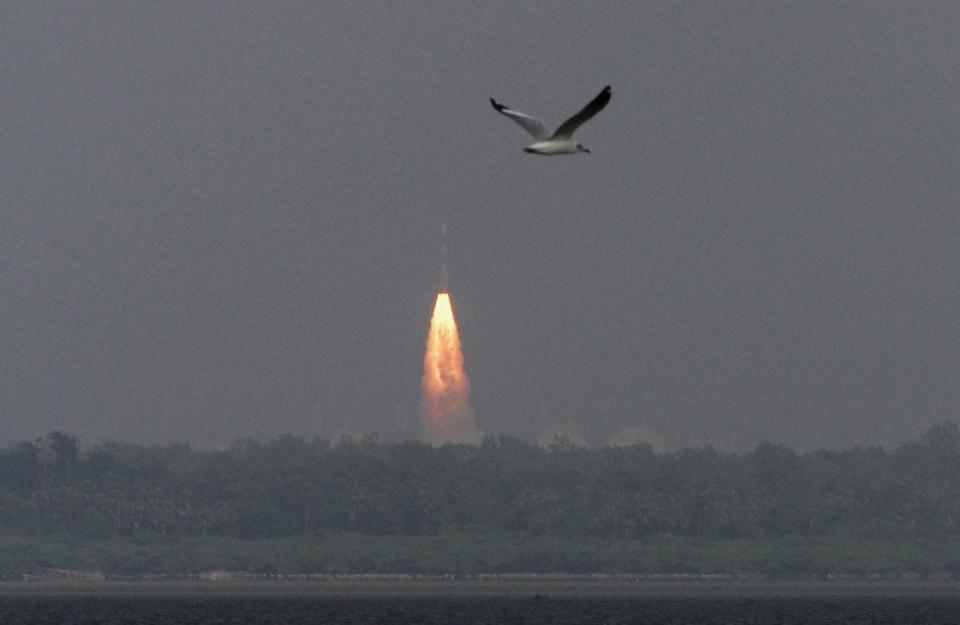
531 586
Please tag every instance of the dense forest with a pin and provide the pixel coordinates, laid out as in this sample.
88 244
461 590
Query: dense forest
295 489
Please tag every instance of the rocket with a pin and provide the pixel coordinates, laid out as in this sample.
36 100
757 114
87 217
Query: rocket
443 258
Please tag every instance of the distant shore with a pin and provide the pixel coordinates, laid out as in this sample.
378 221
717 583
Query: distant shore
475 557
531 586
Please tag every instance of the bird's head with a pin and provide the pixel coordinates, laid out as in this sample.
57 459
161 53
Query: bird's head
580 148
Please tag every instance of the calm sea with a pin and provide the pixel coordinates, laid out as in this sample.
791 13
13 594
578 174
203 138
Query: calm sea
110 610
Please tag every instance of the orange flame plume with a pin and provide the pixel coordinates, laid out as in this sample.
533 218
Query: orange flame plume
447 416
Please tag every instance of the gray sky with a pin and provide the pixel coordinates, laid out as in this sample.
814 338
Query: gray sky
222 219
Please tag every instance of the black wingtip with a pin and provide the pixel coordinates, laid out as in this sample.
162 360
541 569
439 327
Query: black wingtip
499 107
603 97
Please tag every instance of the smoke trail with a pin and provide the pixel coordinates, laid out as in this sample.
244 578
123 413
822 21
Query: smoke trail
447 416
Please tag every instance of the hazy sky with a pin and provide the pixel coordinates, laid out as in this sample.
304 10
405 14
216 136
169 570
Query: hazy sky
222 219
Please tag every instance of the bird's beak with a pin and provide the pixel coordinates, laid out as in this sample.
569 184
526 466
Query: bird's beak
587 151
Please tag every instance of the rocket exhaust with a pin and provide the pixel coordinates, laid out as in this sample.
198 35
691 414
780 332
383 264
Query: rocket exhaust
444 286
447 415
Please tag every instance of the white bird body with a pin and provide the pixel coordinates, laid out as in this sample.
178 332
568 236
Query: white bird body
555 147
561 141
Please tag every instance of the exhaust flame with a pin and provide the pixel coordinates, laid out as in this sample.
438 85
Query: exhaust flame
447 416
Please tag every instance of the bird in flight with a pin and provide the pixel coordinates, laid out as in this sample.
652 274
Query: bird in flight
561 141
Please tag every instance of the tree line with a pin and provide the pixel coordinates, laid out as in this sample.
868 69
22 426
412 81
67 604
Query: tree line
291 486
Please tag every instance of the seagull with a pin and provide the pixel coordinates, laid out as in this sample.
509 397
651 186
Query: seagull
561 141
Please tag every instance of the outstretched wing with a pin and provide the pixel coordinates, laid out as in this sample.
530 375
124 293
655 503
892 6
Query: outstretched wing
566 129
528 123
